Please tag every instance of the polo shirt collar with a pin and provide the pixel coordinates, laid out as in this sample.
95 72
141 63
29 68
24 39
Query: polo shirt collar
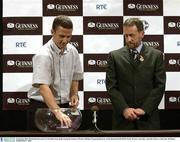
56 49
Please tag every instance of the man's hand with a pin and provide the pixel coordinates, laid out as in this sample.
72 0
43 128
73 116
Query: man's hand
130 114
74 100
49 99
63 118
140 112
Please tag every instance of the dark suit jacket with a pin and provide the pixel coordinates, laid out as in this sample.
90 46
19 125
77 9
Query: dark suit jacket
137 85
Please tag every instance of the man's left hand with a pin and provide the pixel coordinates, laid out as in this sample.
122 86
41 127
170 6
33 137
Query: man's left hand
139 112
74 101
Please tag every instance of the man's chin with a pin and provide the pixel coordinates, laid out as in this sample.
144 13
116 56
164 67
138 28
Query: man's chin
61 47
131 46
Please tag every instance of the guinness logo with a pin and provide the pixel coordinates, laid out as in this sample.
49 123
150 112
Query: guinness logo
171 24
92 100
91 25
10 25
91 62
146 24
50 6
131 6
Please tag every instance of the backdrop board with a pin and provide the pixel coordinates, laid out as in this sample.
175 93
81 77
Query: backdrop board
97 31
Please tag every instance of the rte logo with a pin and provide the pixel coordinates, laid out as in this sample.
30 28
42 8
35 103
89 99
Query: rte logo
101 6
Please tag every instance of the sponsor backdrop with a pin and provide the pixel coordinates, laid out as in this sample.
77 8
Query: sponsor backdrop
97 31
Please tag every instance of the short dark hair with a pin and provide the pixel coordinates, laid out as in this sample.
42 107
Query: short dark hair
135 21
62 20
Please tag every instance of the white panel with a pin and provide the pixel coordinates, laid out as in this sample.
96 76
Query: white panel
77 25
81 100
47 25
171 43
21 44
171 7
173 81
17 82
156 26
82 61
162 105
22 8
103 7
94 81
102 43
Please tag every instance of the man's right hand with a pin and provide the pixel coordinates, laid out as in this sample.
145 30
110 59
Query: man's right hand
130 114
49 99
63 118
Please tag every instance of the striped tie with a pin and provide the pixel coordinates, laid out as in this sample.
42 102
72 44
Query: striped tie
134 53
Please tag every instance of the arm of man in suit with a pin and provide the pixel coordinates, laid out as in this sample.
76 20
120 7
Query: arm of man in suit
159 79
116 97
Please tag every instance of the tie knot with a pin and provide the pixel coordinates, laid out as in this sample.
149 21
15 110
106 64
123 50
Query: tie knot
134 53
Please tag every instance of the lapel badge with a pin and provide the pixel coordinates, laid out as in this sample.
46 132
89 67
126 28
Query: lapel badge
141 58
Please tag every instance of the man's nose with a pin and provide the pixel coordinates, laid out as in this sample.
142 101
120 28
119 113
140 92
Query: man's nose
128 38
65 40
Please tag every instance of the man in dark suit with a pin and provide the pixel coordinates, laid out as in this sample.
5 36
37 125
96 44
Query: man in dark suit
135 81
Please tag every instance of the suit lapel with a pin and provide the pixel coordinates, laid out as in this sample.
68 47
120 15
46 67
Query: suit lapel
143 53
126 54
129 58
136 65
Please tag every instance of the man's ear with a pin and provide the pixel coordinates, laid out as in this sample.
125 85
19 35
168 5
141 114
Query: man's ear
52 31
142 34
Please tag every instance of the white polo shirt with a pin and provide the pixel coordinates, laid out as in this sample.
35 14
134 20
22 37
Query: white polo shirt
56 70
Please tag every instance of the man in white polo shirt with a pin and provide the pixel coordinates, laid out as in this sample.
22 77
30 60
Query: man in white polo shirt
57 71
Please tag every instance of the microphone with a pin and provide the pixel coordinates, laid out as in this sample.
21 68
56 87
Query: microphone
94 109
94 121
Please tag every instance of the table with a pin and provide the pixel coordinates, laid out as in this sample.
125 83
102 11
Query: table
95 133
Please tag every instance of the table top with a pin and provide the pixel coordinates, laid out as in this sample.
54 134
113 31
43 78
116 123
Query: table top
95 133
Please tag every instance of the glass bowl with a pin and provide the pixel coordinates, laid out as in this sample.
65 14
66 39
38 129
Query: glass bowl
46 121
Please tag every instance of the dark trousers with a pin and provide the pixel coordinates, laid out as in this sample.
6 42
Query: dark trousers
34 105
